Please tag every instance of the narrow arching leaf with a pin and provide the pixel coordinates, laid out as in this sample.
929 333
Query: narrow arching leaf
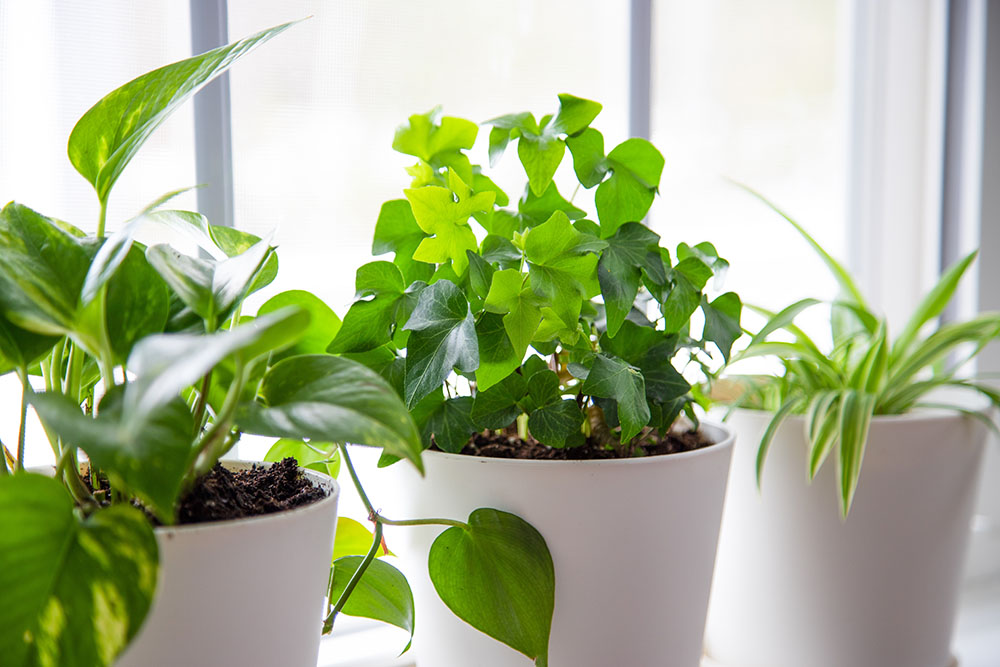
383 594
106 138
75 592
443 337
496 574
786 409
841 274
782 319
330 398
855 416
932 304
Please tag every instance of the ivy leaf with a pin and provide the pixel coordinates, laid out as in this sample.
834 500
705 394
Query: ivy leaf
397 231
496 574
557 424
541 158
722 321
480 274
497 356
575 114
382 594
109 135
631 248
443 337
511 295
558 270
450 424
498 250
613 378
323 397
75 592
368 324
497 407
438 144
626 196
536 209
589 164
689 278
443 213
543 389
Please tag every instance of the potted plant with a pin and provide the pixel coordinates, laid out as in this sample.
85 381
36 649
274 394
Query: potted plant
152 370
798 579
541 355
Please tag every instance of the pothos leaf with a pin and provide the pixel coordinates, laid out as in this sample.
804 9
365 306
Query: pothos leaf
496 574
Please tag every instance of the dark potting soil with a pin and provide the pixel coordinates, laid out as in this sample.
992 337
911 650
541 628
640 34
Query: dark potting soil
225 494
504 445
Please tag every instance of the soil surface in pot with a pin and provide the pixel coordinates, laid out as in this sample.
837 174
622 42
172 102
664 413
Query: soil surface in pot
226 494
505 445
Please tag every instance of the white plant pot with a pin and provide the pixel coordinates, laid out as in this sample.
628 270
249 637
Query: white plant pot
795 585
633 542
247 592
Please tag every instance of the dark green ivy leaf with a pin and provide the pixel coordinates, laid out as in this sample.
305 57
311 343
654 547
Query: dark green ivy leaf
632 247
497 407
722 321
450 424
557 424
613 378
443 337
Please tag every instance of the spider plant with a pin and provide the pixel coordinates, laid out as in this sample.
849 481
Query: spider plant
867 372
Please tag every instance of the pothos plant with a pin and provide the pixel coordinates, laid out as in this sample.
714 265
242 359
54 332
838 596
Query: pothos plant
866 373
531 316
152 370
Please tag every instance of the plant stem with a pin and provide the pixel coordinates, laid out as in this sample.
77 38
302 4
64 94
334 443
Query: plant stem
22 373
355 578
522 426
199 410
218 440
4 471
102 218
377 518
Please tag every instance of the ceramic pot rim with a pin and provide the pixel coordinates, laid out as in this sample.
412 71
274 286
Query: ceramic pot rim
724 437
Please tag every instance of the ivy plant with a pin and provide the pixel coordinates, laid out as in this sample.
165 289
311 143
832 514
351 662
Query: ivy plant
866 373
152 370
528 315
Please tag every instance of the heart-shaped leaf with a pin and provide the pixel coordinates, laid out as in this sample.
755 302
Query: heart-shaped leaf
323 322
106 138
166 364
382 594
75 592
496 574
331 398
